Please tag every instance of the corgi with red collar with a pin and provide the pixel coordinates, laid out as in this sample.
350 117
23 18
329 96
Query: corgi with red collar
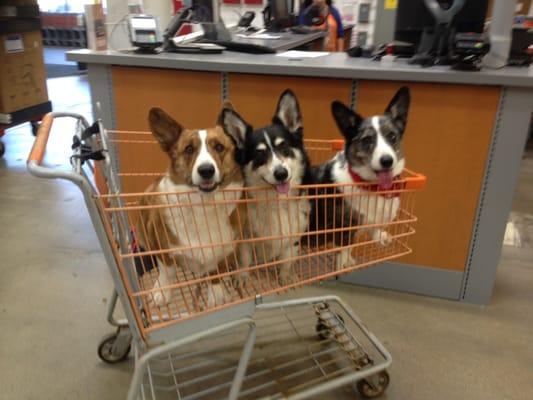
186 218
373 154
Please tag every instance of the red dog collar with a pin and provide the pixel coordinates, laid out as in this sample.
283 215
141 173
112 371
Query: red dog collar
374 187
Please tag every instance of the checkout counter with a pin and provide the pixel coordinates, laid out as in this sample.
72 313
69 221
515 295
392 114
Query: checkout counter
466 131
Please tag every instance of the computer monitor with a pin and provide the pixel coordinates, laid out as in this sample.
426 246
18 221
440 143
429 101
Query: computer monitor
412 16
281 14
206 10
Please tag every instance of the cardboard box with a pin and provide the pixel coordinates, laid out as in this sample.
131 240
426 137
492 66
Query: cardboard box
95 23
22 72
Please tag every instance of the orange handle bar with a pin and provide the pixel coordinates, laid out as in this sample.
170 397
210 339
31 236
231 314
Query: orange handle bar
414 180
41 140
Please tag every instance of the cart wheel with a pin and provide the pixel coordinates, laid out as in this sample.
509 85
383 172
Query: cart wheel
35 127
2 149
380 382
323 331
106 350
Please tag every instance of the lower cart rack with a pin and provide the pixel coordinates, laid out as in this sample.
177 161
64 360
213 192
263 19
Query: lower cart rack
291 349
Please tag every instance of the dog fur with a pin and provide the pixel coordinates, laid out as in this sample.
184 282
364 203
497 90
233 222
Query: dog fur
274 159
372 153
200 162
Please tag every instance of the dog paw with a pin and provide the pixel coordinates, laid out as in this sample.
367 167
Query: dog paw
339 262
215 295
344 259
382 237
286 277
161 297
241 280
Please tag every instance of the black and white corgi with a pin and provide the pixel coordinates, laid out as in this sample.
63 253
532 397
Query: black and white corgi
274 159
372 153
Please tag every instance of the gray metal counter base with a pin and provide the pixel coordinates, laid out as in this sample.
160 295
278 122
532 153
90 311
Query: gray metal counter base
406 278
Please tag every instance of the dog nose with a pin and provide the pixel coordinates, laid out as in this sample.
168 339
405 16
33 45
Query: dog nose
386 161
206 171
280 174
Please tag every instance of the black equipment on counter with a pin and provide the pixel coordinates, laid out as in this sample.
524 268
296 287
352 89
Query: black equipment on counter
434 48
217 33
279 15
183 16
144 32
468 50
413 17
522 40
246 19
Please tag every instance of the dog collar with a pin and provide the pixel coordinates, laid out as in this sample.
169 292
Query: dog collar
374 187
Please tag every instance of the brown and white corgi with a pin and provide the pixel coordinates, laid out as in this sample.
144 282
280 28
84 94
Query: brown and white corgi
201 161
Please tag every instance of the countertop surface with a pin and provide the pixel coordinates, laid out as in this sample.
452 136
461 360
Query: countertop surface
334 65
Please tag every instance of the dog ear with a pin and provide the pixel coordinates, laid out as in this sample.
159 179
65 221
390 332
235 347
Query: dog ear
288 112
398 107
165 129
234 126
347 120
227 104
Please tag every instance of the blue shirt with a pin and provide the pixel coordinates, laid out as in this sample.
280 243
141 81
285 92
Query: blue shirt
334 13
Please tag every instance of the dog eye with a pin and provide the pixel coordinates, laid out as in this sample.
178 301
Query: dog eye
367 141
285 151
391 136
219 147
261 155
189 149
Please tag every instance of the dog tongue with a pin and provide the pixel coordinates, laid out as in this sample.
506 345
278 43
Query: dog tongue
283 188
385 179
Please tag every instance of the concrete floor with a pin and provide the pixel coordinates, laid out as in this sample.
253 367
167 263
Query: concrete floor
54 288
56 64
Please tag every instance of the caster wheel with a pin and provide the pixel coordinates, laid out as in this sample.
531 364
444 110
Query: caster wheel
35 127
380 382
107 351
2 149
323 331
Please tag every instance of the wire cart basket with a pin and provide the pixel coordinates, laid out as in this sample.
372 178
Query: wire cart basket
219 333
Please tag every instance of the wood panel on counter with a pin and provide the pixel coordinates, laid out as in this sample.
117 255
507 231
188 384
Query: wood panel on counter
193 98
448 135
255 98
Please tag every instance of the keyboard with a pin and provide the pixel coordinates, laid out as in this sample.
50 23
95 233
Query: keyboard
302 29
245 47
207 48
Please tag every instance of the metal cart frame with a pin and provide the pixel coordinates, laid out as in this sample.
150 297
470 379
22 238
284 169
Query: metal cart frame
365 369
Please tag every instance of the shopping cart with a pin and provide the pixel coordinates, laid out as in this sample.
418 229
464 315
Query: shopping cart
215 335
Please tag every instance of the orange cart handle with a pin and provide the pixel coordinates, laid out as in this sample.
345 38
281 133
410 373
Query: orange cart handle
41 140
415 180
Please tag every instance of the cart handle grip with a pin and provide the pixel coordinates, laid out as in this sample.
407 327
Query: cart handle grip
415 181
41 140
